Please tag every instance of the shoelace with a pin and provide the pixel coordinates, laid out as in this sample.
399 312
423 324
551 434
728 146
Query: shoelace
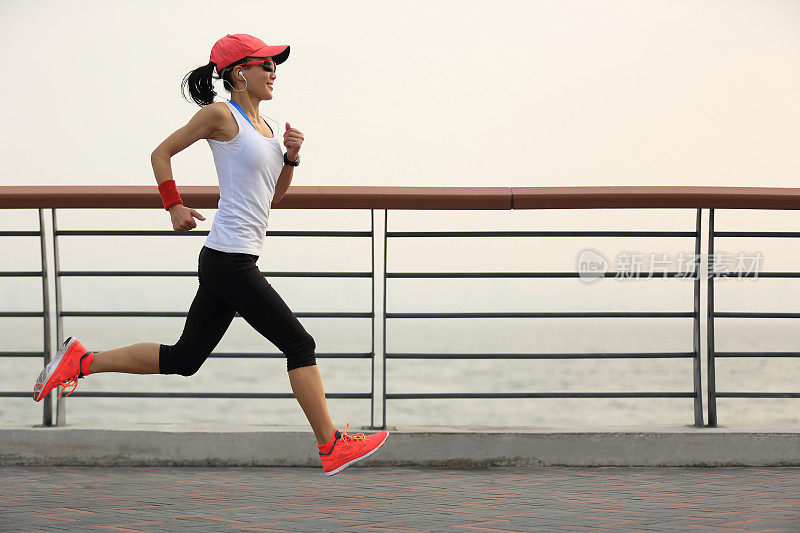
73 382
355 436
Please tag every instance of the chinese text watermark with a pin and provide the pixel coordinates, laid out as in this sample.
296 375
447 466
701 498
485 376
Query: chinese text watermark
592 265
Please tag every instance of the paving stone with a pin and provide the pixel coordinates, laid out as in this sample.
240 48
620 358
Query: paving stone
399 499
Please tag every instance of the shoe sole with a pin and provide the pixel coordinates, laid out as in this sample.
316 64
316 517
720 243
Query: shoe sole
60 358
373 450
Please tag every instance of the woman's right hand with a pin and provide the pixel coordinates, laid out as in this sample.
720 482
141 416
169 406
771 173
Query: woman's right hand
182 217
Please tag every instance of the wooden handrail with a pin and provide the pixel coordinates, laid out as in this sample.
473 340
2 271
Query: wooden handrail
368 197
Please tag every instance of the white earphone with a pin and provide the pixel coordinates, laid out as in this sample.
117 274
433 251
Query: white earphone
245 83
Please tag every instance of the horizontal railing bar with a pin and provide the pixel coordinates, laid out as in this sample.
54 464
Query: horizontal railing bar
687 314
322 233
21 313
21 354
21 274
757 394
110 273
409 396
330 355
334 395
755 274
756 234
418 198
755 315
152 233
621 275
756 354
654 355
278 355
137 233
20 233
541 234
342 314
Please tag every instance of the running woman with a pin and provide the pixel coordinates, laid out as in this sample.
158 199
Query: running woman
253 172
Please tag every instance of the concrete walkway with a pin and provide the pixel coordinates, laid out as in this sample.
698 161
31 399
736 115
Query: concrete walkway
399 499
441 447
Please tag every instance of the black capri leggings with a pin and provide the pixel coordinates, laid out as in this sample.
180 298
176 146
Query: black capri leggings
231 282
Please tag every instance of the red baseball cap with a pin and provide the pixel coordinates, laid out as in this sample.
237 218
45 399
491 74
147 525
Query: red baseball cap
234 47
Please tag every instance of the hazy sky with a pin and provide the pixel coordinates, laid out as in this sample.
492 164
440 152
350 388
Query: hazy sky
415 93
519 93
441 93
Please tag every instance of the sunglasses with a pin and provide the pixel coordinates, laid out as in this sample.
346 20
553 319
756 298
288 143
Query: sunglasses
267 64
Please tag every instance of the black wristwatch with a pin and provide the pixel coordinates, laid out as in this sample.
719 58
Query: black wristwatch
291 163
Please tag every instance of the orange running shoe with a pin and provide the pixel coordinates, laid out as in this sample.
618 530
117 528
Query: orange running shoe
64 369
344 449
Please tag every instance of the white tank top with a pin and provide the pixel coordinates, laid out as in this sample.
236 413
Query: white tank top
248 167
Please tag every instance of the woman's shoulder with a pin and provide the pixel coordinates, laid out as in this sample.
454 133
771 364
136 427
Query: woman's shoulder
217 106
220 120
216 109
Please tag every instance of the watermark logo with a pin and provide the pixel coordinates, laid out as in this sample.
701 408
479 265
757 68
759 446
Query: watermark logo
592 265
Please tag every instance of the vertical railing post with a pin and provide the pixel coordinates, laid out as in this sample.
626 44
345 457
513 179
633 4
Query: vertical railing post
47 415
696 360
712 386
372 281
383 315
61 405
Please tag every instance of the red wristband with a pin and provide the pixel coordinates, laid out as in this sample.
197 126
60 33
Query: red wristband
169 194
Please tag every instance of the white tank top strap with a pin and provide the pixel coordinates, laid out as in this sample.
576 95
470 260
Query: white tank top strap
240 119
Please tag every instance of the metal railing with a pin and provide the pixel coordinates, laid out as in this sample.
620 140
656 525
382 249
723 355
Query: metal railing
388 198
713 394
60 313
696 391
45 354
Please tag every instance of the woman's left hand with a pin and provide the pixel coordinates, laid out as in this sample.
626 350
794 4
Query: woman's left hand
292 139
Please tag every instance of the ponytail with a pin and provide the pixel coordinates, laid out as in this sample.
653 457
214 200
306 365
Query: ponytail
200 85
201 82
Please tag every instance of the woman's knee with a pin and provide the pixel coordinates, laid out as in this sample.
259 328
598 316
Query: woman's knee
300 352
177 359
